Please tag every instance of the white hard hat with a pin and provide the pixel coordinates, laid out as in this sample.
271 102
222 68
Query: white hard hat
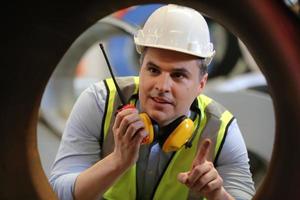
176 28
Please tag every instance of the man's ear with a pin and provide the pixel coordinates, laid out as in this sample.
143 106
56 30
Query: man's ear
202 83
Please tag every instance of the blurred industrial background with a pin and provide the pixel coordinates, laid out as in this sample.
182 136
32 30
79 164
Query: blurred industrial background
234 80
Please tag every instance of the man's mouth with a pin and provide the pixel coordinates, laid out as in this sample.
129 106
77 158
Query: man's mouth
161 100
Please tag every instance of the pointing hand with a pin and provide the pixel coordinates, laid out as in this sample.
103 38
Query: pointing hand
203 179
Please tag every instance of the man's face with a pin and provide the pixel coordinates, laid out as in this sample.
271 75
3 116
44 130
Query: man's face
169 83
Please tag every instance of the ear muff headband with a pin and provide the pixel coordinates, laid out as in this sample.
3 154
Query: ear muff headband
182 132
181 135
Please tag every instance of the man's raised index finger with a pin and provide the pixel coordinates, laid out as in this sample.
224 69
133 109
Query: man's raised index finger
203 152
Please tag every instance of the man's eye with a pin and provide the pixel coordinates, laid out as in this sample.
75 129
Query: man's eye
153 70
178 75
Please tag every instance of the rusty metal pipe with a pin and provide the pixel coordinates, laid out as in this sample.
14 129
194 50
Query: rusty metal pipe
36 36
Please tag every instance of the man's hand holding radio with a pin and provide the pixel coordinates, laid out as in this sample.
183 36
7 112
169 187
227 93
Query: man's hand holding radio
129 131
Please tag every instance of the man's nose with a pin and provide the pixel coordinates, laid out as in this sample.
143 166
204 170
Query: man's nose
163 83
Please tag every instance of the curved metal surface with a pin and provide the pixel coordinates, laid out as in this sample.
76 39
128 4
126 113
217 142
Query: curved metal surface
60 95
34 47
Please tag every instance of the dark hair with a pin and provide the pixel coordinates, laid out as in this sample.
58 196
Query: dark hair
200 62
202 66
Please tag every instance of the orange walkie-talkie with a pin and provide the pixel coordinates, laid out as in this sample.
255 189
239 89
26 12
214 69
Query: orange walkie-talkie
145 118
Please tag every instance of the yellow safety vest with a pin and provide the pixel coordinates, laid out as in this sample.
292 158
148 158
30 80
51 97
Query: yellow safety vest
214 122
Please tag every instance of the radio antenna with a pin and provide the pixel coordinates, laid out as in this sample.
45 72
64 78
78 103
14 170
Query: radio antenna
122 98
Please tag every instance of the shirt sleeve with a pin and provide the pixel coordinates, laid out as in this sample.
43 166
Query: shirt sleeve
80 144
233 165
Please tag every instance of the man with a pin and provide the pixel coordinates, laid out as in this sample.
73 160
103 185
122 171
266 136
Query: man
101 153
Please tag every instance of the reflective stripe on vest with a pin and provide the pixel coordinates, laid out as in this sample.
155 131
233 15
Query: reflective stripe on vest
129 86
213 124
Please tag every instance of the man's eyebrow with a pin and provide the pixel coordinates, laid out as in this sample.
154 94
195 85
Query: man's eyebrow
176 70
150 63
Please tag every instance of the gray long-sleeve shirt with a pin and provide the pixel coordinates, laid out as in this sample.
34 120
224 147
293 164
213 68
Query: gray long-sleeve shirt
80 149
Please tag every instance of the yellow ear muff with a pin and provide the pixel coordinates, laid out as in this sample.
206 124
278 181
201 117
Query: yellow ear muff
149 128
179 136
